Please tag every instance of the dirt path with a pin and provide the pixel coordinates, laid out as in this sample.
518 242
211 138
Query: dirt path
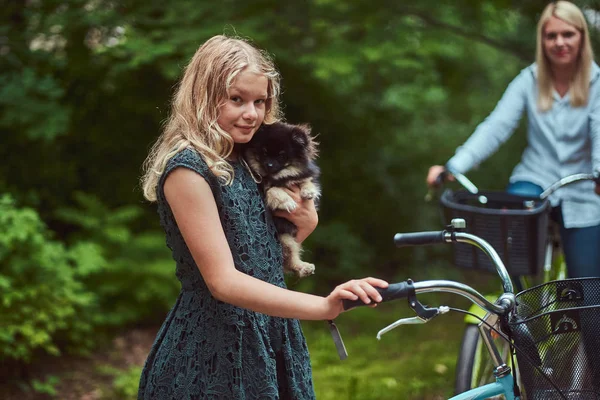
86 378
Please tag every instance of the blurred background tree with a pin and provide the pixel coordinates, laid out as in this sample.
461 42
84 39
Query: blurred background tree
391 87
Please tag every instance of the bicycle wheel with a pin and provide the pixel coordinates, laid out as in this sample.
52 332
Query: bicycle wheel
474 367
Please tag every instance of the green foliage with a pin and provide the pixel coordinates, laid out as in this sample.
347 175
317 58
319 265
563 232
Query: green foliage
31 105
339 252
410 362
126 384
47 387
51 293
132 274
41 297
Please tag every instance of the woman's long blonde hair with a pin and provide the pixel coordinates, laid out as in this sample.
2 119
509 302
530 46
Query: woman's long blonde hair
195 107
580 85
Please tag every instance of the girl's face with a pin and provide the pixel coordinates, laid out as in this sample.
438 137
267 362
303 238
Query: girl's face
562 43
244 110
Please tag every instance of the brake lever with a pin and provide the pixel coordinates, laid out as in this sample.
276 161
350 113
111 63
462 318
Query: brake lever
412 320
403 321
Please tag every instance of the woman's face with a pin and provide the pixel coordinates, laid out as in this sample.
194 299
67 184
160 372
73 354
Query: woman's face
562 43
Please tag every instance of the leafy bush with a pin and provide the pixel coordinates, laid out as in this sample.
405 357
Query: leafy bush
132 275
41 296
47 387
126 384
53 293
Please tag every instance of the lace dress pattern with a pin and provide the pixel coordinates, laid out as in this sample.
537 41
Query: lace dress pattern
208 349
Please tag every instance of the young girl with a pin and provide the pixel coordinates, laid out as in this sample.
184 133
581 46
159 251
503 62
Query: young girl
233 332
561 95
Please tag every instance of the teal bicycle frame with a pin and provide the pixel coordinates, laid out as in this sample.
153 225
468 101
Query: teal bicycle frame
504 379
504 386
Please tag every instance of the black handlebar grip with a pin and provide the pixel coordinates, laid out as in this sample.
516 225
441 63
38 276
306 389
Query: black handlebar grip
441 178
418 238
394 291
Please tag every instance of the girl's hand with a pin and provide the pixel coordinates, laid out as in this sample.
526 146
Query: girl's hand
363 289
304 216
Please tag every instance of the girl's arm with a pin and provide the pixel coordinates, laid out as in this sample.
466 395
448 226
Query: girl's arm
195 211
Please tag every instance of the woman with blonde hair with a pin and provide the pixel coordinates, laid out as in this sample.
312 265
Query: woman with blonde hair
561 94
233 332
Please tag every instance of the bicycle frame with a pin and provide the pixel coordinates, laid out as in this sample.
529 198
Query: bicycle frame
497 310
553 268
503 385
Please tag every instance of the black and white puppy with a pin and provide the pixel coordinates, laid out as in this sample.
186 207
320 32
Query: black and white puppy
283 156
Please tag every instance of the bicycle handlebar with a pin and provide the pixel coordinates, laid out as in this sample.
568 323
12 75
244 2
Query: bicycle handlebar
419 238
469 186
402 290
452 236
394 291
441 178
405 289
567 180
460 178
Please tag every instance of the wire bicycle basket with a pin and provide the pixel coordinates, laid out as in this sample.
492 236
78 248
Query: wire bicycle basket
555 328
516 226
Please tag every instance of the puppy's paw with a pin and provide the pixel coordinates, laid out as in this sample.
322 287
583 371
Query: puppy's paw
309 192
288 206
278 199
304 269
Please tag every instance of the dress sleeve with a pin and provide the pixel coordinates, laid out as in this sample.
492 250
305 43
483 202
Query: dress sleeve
190 159
496 128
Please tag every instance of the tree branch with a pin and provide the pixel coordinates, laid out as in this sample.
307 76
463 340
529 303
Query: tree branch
511 48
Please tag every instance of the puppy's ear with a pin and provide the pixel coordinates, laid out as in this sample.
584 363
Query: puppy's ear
301 135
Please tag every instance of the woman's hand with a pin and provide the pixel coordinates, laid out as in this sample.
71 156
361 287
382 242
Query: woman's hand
434 172
363 289
304 216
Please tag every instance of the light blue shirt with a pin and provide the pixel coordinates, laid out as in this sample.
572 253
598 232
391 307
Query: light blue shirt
560 142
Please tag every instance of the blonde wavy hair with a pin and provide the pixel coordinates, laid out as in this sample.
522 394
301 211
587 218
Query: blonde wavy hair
195 108
580 85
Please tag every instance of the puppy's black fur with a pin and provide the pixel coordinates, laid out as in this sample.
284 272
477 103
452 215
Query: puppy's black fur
283 155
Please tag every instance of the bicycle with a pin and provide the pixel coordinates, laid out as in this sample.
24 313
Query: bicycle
539 323
530 242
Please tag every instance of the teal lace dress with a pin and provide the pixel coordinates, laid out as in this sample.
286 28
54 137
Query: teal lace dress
207 349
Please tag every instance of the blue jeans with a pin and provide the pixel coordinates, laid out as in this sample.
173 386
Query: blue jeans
581 246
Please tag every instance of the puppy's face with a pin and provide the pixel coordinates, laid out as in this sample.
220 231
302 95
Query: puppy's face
279 149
